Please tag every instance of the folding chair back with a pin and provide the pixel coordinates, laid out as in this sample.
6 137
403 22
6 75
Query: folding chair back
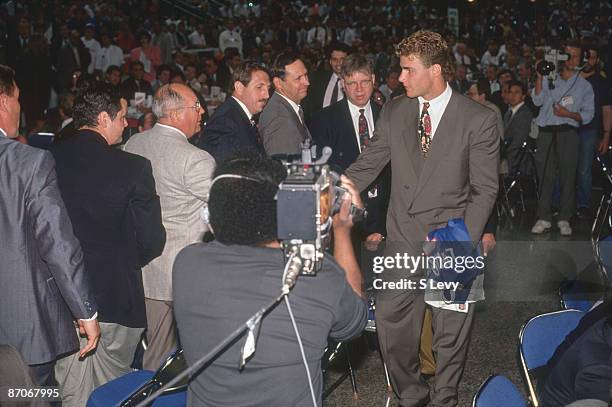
498 391
540 337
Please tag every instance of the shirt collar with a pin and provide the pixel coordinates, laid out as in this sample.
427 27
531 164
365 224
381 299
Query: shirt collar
3 133
294 105
517 107
354 109
439 100
170 127
243 106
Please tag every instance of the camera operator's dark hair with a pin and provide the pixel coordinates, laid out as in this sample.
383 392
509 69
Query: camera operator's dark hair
280 62
7 80
244 211
91 101
520 84
244 73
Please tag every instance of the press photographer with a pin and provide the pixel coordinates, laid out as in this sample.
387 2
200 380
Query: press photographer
566 101
219 285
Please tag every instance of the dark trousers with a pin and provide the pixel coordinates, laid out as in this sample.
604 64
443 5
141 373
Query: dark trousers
557 154
399 320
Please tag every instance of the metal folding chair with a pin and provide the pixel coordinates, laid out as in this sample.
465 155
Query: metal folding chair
132 388
498 391
538 340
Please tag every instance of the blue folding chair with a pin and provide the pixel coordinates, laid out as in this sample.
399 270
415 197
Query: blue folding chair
498 391
538 340
573 295
134 387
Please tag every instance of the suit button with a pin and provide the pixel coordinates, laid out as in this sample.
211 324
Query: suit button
407 186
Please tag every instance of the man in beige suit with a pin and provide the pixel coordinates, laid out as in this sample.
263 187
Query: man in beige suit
443 149
182 175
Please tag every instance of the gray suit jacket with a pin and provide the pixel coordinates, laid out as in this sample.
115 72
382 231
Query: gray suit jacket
43 284
457 180
182 175
280 127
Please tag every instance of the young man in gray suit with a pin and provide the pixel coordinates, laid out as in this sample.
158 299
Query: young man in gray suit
281 125
182 175
43 284
444 154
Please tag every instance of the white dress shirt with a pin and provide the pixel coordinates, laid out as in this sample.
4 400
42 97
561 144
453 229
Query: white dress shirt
330 89
107 56
354 109
228 39
436 108
245 109
93 46
197 39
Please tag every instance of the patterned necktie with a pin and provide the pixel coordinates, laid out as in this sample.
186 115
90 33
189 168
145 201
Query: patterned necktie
256 130
425 129
301 114
364 133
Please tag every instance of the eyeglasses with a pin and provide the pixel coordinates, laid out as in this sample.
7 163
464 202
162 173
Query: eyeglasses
362 84
197 106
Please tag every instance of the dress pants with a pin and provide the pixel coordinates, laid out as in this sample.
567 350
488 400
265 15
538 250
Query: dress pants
557 152
162 338
399 321
112 358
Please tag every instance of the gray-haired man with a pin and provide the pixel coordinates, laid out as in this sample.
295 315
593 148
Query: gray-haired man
182 175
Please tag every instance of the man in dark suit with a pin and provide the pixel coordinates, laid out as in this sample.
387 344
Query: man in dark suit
325 88
43 283
459 82
444 155
517 122
347 127
232 127
73 55
111 199
281 124
136 82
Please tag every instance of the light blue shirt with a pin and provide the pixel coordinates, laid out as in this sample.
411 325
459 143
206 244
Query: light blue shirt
574 94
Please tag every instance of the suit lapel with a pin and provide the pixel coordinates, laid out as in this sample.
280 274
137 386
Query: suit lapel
349 138
440 142
303 129
411 123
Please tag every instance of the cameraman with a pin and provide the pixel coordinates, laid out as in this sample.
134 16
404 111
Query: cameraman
219 285
565 105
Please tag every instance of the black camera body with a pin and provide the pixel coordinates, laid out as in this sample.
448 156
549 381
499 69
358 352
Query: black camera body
306 201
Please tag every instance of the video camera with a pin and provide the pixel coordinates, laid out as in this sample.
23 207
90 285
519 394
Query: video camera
551 62
306 202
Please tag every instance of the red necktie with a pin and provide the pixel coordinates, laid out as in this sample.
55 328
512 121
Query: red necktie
364 133
425 129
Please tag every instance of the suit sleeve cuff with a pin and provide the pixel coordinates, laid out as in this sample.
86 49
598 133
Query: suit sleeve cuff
94 316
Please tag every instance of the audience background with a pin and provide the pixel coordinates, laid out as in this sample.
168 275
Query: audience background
52 44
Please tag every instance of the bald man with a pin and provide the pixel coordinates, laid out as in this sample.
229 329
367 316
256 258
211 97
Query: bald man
182 175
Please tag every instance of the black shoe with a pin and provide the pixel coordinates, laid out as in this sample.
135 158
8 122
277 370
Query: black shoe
584 214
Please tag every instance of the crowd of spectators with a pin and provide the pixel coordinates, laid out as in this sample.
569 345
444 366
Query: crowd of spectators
134 44
319 53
